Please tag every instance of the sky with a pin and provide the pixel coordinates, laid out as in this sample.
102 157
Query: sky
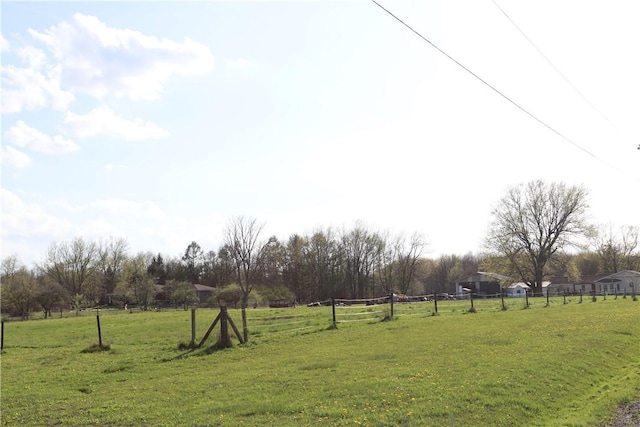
160 121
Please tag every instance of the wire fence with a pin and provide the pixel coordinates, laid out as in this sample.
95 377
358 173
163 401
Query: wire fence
266 323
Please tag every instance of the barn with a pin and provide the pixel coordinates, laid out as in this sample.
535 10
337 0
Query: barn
481 284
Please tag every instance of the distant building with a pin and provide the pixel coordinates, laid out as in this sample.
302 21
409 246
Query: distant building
625 281
517 290
203 292
481 284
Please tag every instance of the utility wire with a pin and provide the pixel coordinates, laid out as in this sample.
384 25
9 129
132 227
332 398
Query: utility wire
565 78
493 88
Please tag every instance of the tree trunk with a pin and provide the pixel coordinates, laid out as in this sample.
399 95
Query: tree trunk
245 329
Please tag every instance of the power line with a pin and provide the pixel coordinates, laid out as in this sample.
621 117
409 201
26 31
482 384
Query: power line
565 78
493 88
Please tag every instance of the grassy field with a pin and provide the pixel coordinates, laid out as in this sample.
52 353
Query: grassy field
563 365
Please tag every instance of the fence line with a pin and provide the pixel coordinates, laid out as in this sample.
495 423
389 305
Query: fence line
358 320
264 319
360 313
290 330
287 323
345 311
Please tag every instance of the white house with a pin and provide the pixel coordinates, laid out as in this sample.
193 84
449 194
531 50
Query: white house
622 282
517 290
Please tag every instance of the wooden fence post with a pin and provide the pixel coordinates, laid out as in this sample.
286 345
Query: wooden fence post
391 299
435 301
193 327
235 329
224 328
547 296
213 325
99 330
472 309
333 310
2 337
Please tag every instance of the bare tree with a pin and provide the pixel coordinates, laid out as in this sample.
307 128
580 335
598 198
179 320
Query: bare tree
388 254
532 222
10 266
193 259
19 287
617 250
111 255
323 260
136 282
407 261
72 265
358 252
295 267
247 251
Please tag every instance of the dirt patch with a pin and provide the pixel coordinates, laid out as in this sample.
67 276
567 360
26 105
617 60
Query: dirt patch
626 416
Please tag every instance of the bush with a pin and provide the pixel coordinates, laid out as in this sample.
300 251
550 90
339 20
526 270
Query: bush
277 293
230 295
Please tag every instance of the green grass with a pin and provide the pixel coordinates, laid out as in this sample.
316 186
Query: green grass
562 365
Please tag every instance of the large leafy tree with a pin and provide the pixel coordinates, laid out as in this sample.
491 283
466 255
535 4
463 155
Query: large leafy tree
157 269
49 294
180 293
534 221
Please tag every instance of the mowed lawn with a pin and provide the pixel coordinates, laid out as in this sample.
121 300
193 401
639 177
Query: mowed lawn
563 365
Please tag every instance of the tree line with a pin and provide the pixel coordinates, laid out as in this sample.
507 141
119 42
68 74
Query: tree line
533 227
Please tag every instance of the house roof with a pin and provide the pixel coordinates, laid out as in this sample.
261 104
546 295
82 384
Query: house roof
203 288
589 279
196 287
520 285
620 275
560 280
482 276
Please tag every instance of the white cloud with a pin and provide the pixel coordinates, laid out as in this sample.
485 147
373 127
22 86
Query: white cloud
15 158
103 121
24 136
145 209
65 206
4 44
28 89
23 220
100 228
36 58
236 63
100 60
110 167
